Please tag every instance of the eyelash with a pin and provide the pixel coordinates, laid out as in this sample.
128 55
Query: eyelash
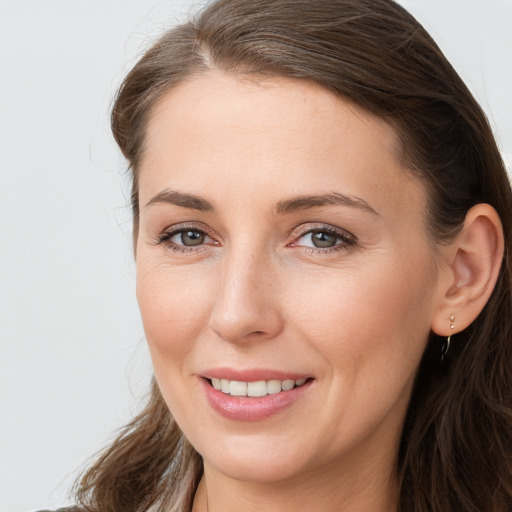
165 239
346 240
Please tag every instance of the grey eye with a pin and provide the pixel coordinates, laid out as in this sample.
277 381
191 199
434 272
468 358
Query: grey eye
189 238
319 239
323 240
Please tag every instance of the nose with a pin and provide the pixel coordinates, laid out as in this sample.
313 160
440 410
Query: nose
247 306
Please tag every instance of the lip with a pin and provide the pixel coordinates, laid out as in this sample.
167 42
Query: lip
251 375
238 408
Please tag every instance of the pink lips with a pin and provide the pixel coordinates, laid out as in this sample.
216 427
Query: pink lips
250 408
251 375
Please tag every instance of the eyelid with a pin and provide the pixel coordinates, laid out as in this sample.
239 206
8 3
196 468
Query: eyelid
192 226
346 241
164 236
310 227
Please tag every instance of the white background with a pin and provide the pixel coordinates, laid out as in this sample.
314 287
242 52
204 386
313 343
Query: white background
73 364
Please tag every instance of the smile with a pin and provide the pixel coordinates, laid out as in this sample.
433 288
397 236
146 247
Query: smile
251 399
255 389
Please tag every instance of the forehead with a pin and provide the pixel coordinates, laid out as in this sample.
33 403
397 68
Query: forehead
277 135
266 104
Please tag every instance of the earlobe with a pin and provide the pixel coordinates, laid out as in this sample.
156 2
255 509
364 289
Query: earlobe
473 261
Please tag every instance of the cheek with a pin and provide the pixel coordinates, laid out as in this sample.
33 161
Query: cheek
370 327
369 313
174 306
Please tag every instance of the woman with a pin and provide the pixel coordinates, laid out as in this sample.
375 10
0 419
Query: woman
320 220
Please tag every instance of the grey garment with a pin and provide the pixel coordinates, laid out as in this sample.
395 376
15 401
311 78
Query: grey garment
67 509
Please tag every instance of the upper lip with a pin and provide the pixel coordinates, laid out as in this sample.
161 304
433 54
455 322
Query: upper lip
252 374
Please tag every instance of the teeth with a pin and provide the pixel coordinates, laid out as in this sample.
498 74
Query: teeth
255 389
237 388
287 385
273 386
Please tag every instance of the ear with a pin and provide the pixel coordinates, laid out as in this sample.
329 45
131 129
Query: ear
472 264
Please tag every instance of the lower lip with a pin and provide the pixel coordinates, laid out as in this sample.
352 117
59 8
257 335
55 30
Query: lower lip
243 408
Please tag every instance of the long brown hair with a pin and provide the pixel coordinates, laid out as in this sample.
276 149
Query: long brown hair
456 449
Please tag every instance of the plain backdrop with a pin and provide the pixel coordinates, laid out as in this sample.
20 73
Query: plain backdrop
73 362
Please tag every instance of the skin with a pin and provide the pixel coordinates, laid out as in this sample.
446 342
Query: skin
257 293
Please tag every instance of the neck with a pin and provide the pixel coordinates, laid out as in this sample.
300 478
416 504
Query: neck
340 491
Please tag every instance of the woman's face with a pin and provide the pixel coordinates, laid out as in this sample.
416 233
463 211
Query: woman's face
281 240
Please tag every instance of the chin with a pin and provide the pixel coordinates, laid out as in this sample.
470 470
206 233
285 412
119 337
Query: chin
263 470
256 459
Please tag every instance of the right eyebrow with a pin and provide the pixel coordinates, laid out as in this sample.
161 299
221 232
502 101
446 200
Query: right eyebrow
181 199
306 202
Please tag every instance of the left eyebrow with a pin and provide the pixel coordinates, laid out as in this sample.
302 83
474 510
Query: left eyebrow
181 199
305 202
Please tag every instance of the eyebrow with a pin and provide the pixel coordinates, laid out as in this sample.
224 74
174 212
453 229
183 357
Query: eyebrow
182 199
291 205
305 202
